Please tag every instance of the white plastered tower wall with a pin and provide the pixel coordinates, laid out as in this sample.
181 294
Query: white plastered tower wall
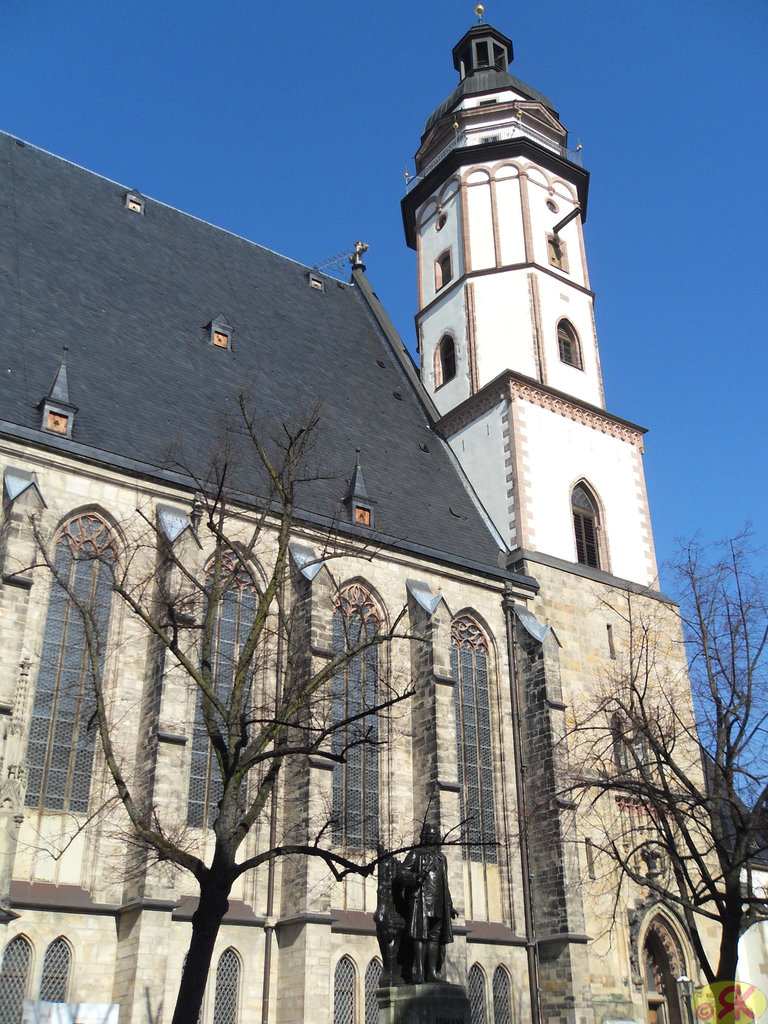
523 409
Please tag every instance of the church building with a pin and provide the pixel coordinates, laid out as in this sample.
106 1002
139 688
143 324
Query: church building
486 495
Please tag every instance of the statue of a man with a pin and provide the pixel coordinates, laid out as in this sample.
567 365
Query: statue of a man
430 908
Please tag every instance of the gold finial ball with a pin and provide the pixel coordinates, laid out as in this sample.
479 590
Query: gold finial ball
479 11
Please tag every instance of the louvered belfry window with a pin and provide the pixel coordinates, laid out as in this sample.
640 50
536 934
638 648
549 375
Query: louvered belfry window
469 659
355 802
13 979
585 526
234 617
62 732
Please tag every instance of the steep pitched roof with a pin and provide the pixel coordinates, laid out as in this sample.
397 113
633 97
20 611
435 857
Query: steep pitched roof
136 296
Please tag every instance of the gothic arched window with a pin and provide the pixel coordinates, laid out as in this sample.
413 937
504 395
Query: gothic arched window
569 345
372 979
469 659
13 979
61 733
234 618
344 992
355 804
476 994
586 525
502 1005
445 363
227 988
56 967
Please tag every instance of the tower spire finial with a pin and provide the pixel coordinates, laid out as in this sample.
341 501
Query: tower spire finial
479 11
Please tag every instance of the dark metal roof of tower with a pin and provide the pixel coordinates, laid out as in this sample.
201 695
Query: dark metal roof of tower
482 57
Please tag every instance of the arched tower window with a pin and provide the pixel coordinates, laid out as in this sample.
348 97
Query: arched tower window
344 992
443 270
502 1004
56 967
227 988
586 526
13 979
569 345
469 659
476 994
234 617
445 363
372 979
355 804
61 741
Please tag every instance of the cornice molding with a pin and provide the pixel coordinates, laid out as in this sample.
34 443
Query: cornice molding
512 387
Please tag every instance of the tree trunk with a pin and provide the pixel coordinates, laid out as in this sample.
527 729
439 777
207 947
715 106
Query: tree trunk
729 936
206 921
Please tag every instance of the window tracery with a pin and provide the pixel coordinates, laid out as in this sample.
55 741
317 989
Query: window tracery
355 784
469 660
61 735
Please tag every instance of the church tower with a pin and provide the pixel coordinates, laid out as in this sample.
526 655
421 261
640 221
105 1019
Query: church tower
506 329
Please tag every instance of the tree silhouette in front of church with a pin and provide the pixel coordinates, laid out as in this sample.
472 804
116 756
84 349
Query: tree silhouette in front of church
673 781
225 614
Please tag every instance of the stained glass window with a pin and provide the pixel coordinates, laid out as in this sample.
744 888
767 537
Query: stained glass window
476 994
355 804
234 618
227 988
469 658
13 979
56 965
344 992
62 731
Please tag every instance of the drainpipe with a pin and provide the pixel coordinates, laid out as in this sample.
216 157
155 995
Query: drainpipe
522 813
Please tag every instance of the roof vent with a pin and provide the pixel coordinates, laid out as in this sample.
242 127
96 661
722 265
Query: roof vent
315 281
58 413
220 332
357 499
134 201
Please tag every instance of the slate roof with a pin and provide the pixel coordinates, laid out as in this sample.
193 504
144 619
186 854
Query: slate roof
132 297
490 80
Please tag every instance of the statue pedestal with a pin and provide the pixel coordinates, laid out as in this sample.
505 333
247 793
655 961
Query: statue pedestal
429 1003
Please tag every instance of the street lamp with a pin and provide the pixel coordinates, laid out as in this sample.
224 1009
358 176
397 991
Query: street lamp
685 989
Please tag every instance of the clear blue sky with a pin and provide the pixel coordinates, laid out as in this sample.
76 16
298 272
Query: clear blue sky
291 124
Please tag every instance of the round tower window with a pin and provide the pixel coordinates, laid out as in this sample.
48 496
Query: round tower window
552 205
441 222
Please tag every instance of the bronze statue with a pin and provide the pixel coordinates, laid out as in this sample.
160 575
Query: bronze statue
414 912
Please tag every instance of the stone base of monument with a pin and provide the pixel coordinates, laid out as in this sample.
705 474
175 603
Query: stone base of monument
430 1003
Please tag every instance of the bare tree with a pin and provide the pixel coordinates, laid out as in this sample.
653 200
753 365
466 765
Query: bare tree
673 776
257 731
